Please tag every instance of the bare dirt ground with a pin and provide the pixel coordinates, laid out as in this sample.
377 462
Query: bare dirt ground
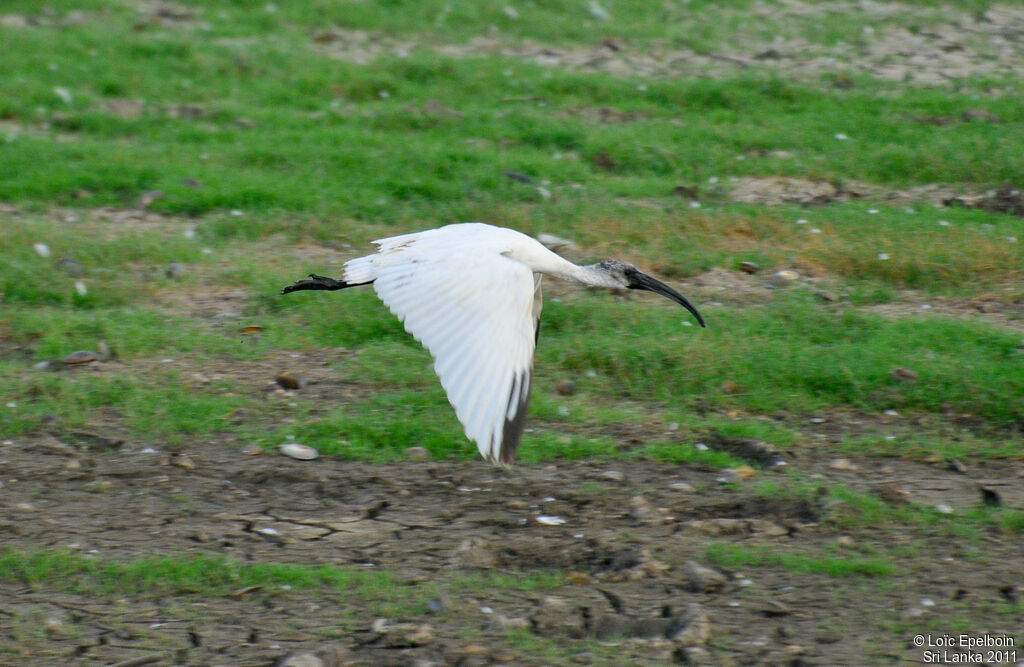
630 528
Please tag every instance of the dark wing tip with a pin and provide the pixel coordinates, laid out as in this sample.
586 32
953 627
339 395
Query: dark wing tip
512 433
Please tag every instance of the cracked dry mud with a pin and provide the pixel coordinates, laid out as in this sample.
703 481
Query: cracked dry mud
626 542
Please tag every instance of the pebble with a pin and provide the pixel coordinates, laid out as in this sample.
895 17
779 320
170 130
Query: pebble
554 616
81 357
42 249
174 270
302 660
404 635
958 466
694 627
291 381
300 452
417 453
743 472
613 475
549 520
565 387
845 541
81 288
70 266
732 387
901 374
642 510
475 552
749 267
682 486
842 464
701 579
784 277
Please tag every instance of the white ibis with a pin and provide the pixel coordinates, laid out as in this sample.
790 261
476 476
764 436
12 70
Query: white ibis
471 294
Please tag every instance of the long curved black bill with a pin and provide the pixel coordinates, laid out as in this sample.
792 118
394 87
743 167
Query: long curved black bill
638 280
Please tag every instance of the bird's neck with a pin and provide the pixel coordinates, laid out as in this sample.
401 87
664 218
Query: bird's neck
586 275
542 260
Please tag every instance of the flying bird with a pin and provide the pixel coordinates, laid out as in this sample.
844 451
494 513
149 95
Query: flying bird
471 294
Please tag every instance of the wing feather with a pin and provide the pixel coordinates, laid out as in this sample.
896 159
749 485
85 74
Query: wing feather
476 314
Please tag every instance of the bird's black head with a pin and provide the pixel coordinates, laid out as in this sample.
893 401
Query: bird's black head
633 278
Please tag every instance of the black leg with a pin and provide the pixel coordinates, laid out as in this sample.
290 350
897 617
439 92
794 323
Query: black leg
315 282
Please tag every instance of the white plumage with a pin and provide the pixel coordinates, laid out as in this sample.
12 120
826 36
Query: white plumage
471 294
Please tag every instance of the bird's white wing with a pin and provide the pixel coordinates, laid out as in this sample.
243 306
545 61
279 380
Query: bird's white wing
477 315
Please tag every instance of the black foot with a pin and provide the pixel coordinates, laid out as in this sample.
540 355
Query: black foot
315 282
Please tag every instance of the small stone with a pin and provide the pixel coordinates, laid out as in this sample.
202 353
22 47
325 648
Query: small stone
685 487
732 387
147 198
549 520
565 387
843 464
25 507
174 270
81 288
301 452
183 461
784 277
944 508
404 635
774 609
47 366
105 352
417 453
579 578
72 465
70 266
693 627
701 579
291 381
554 617
475 552
302 660
901 374
81 357
513 622
642 510
42 249
743 472
613 475
749 267
845 541
958 466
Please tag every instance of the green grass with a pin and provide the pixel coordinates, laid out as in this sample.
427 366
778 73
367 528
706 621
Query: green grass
204 574
740 555
263 143
221 577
